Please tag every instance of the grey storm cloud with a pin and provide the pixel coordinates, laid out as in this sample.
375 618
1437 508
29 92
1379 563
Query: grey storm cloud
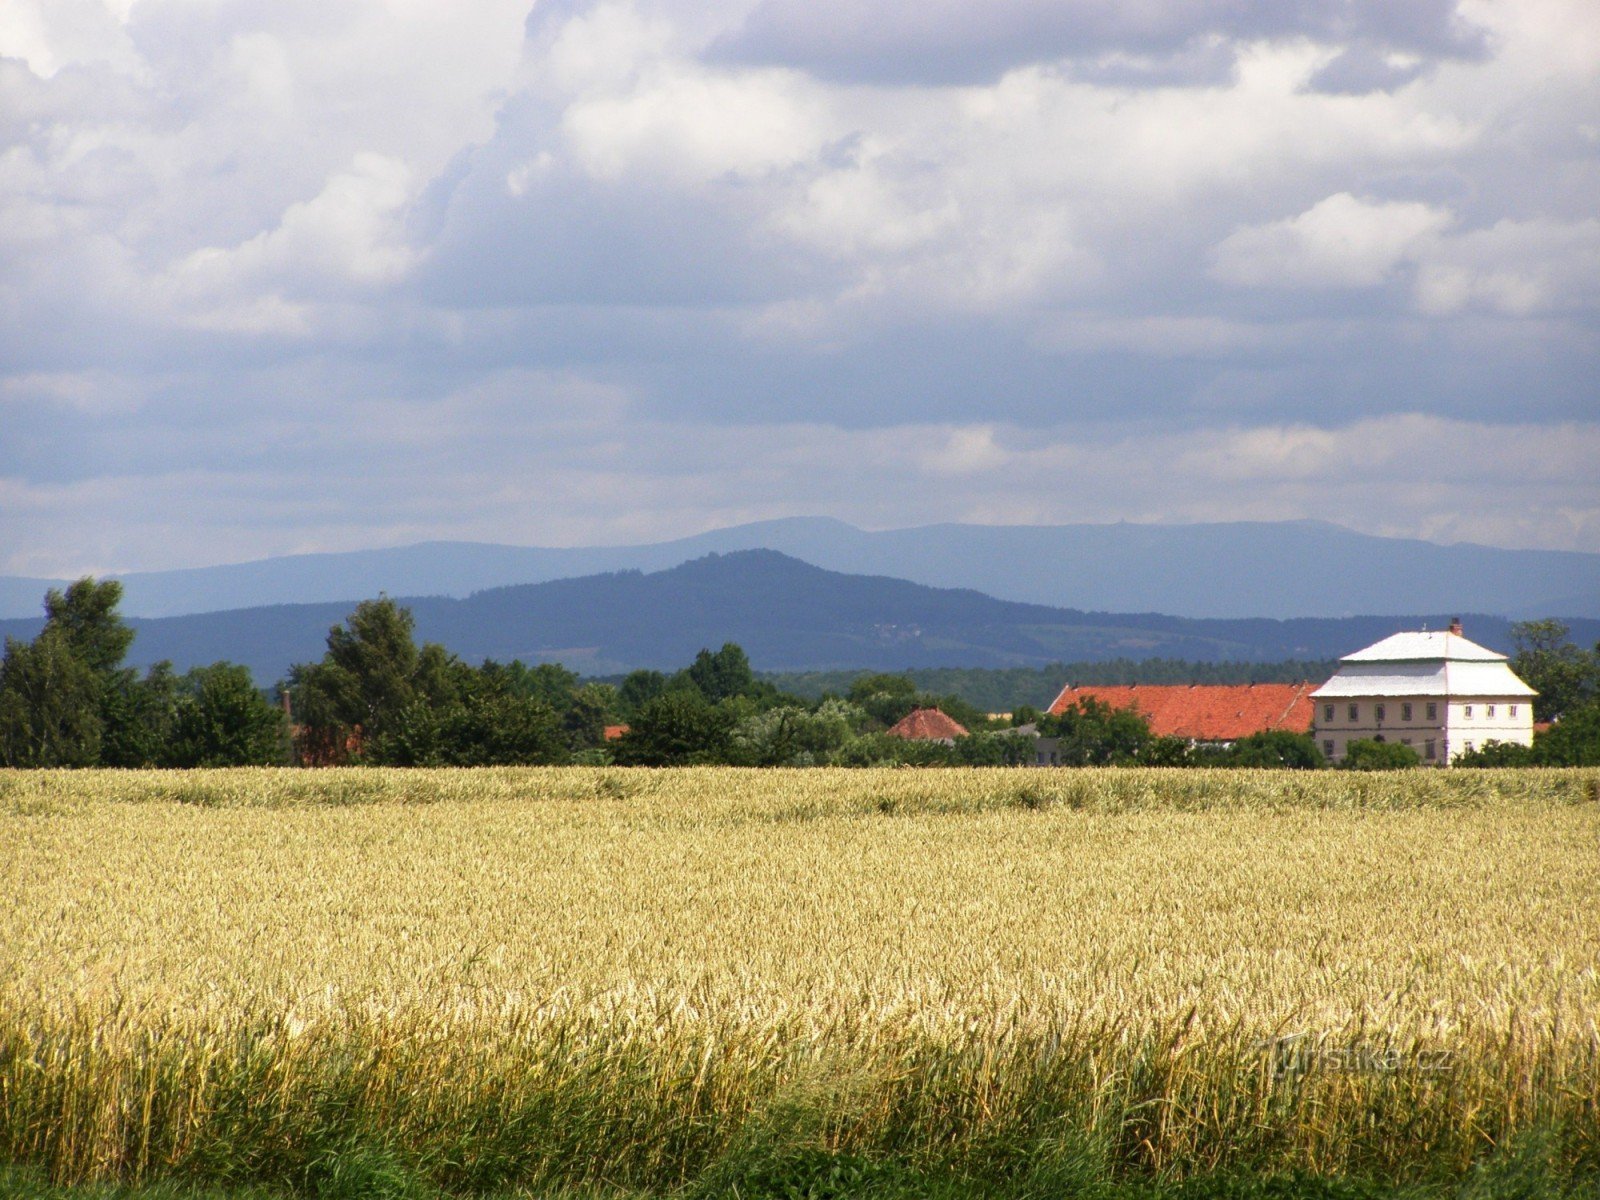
1162 41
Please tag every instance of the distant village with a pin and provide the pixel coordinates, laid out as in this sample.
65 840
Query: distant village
1413 699
1440 694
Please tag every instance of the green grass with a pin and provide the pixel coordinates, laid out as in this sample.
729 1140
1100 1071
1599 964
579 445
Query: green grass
1524 1174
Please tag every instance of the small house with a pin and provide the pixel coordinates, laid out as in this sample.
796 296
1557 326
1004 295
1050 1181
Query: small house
927 725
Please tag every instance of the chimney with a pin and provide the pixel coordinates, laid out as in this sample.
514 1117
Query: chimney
1455 626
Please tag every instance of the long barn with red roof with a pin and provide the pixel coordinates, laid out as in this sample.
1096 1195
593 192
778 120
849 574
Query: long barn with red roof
1206 712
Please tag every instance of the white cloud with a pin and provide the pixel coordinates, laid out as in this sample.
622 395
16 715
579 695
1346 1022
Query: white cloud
1514 267
689 125
1342 241
49 35
350 233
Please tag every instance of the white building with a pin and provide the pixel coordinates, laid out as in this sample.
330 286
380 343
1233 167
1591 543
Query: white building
1435 692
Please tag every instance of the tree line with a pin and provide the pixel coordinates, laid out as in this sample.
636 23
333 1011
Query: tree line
378 697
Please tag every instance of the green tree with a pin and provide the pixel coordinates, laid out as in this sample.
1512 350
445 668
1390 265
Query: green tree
49 704
372 673
86 617
223 720
722 675
1276 748
1366 754
589 709
138 716
792 735
676 728
995 748
1573 741
65 699
1094 734
637 690
1565 676
884 698
550 682
488 720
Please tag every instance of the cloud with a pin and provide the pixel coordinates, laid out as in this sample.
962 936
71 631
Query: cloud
949 41
1342 241
1517 268
315 273
572 462
1514 267
348 235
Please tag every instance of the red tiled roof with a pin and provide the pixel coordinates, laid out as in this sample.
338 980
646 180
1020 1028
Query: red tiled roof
1207 712
613 732
927 725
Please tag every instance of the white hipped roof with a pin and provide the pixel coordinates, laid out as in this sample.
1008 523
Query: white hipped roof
1424 647
1423 664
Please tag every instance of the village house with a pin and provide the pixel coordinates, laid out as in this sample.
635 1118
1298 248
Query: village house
1438 693
927 725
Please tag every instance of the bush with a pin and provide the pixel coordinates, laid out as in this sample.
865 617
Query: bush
1364 754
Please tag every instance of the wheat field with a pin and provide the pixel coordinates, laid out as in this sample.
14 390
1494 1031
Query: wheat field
495 978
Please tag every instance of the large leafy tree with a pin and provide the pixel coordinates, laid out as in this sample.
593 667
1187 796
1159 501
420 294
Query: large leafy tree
724 674
49 704
138 716
86 616
65 698
487 720
1094 734
1565 676
222 720
372 674
677 728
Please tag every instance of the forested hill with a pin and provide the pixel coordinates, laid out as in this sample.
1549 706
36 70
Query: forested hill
788 615
1227 569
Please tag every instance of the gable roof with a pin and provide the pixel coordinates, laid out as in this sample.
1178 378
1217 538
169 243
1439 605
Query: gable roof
927 725
1206 712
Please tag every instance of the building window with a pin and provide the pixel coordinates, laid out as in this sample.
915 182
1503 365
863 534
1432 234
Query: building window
1405 712
1327 712
1355 712
1378 712
1405 741
1466 712
1433 712
1488 710
1327 748
1469 747
1512 709
1430 750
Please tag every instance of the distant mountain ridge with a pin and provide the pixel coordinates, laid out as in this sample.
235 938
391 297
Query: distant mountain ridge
789 616
1240 569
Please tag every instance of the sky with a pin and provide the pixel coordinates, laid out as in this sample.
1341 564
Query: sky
281 276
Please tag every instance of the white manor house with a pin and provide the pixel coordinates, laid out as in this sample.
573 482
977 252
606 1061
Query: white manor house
1438 693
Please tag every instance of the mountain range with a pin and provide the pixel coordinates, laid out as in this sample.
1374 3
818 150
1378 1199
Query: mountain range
788 615
1239 569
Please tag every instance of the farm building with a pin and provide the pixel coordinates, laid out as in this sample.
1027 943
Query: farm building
927 725
1216 713
1438 693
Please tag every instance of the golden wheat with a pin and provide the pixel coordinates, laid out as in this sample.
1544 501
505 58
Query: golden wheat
591 974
